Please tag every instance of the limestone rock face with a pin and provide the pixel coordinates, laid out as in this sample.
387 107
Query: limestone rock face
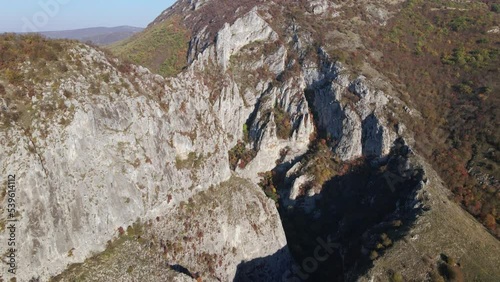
248 227
349 111
196 4
319 7
263 128
297 183
350 144
80 182
130 149
270 86
129 146
247 29
184 242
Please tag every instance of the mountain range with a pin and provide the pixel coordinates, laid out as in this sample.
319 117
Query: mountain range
95 35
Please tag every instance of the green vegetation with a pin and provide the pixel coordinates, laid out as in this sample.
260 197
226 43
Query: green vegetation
495 7
240 155
321 163
283 123
450 75
448 270
161 47
267 184
460 23
396 277
13 76
373 255
472 59
246 134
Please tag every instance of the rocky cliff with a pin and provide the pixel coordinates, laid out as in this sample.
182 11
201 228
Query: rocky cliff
114 161
102 149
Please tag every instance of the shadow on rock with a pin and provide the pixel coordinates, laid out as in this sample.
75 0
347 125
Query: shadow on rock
270 268
355 218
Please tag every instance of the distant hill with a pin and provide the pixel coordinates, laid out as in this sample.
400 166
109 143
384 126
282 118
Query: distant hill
96 35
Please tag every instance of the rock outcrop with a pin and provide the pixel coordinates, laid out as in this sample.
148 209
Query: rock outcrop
125 149
247 29
135 145
105 148
211 235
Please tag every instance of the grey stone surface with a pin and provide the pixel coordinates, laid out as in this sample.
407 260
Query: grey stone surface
136 146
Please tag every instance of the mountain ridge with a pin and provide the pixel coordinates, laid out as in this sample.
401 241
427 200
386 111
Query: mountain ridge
325 132
96 35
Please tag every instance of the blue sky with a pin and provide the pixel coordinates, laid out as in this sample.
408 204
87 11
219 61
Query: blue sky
46 15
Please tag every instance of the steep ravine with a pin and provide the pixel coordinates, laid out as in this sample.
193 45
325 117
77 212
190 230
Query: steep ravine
115 162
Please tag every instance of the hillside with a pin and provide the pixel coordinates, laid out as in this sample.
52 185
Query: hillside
251 140
453 83
161 48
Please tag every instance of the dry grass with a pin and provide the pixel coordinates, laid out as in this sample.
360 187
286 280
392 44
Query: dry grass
444 229
161 47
